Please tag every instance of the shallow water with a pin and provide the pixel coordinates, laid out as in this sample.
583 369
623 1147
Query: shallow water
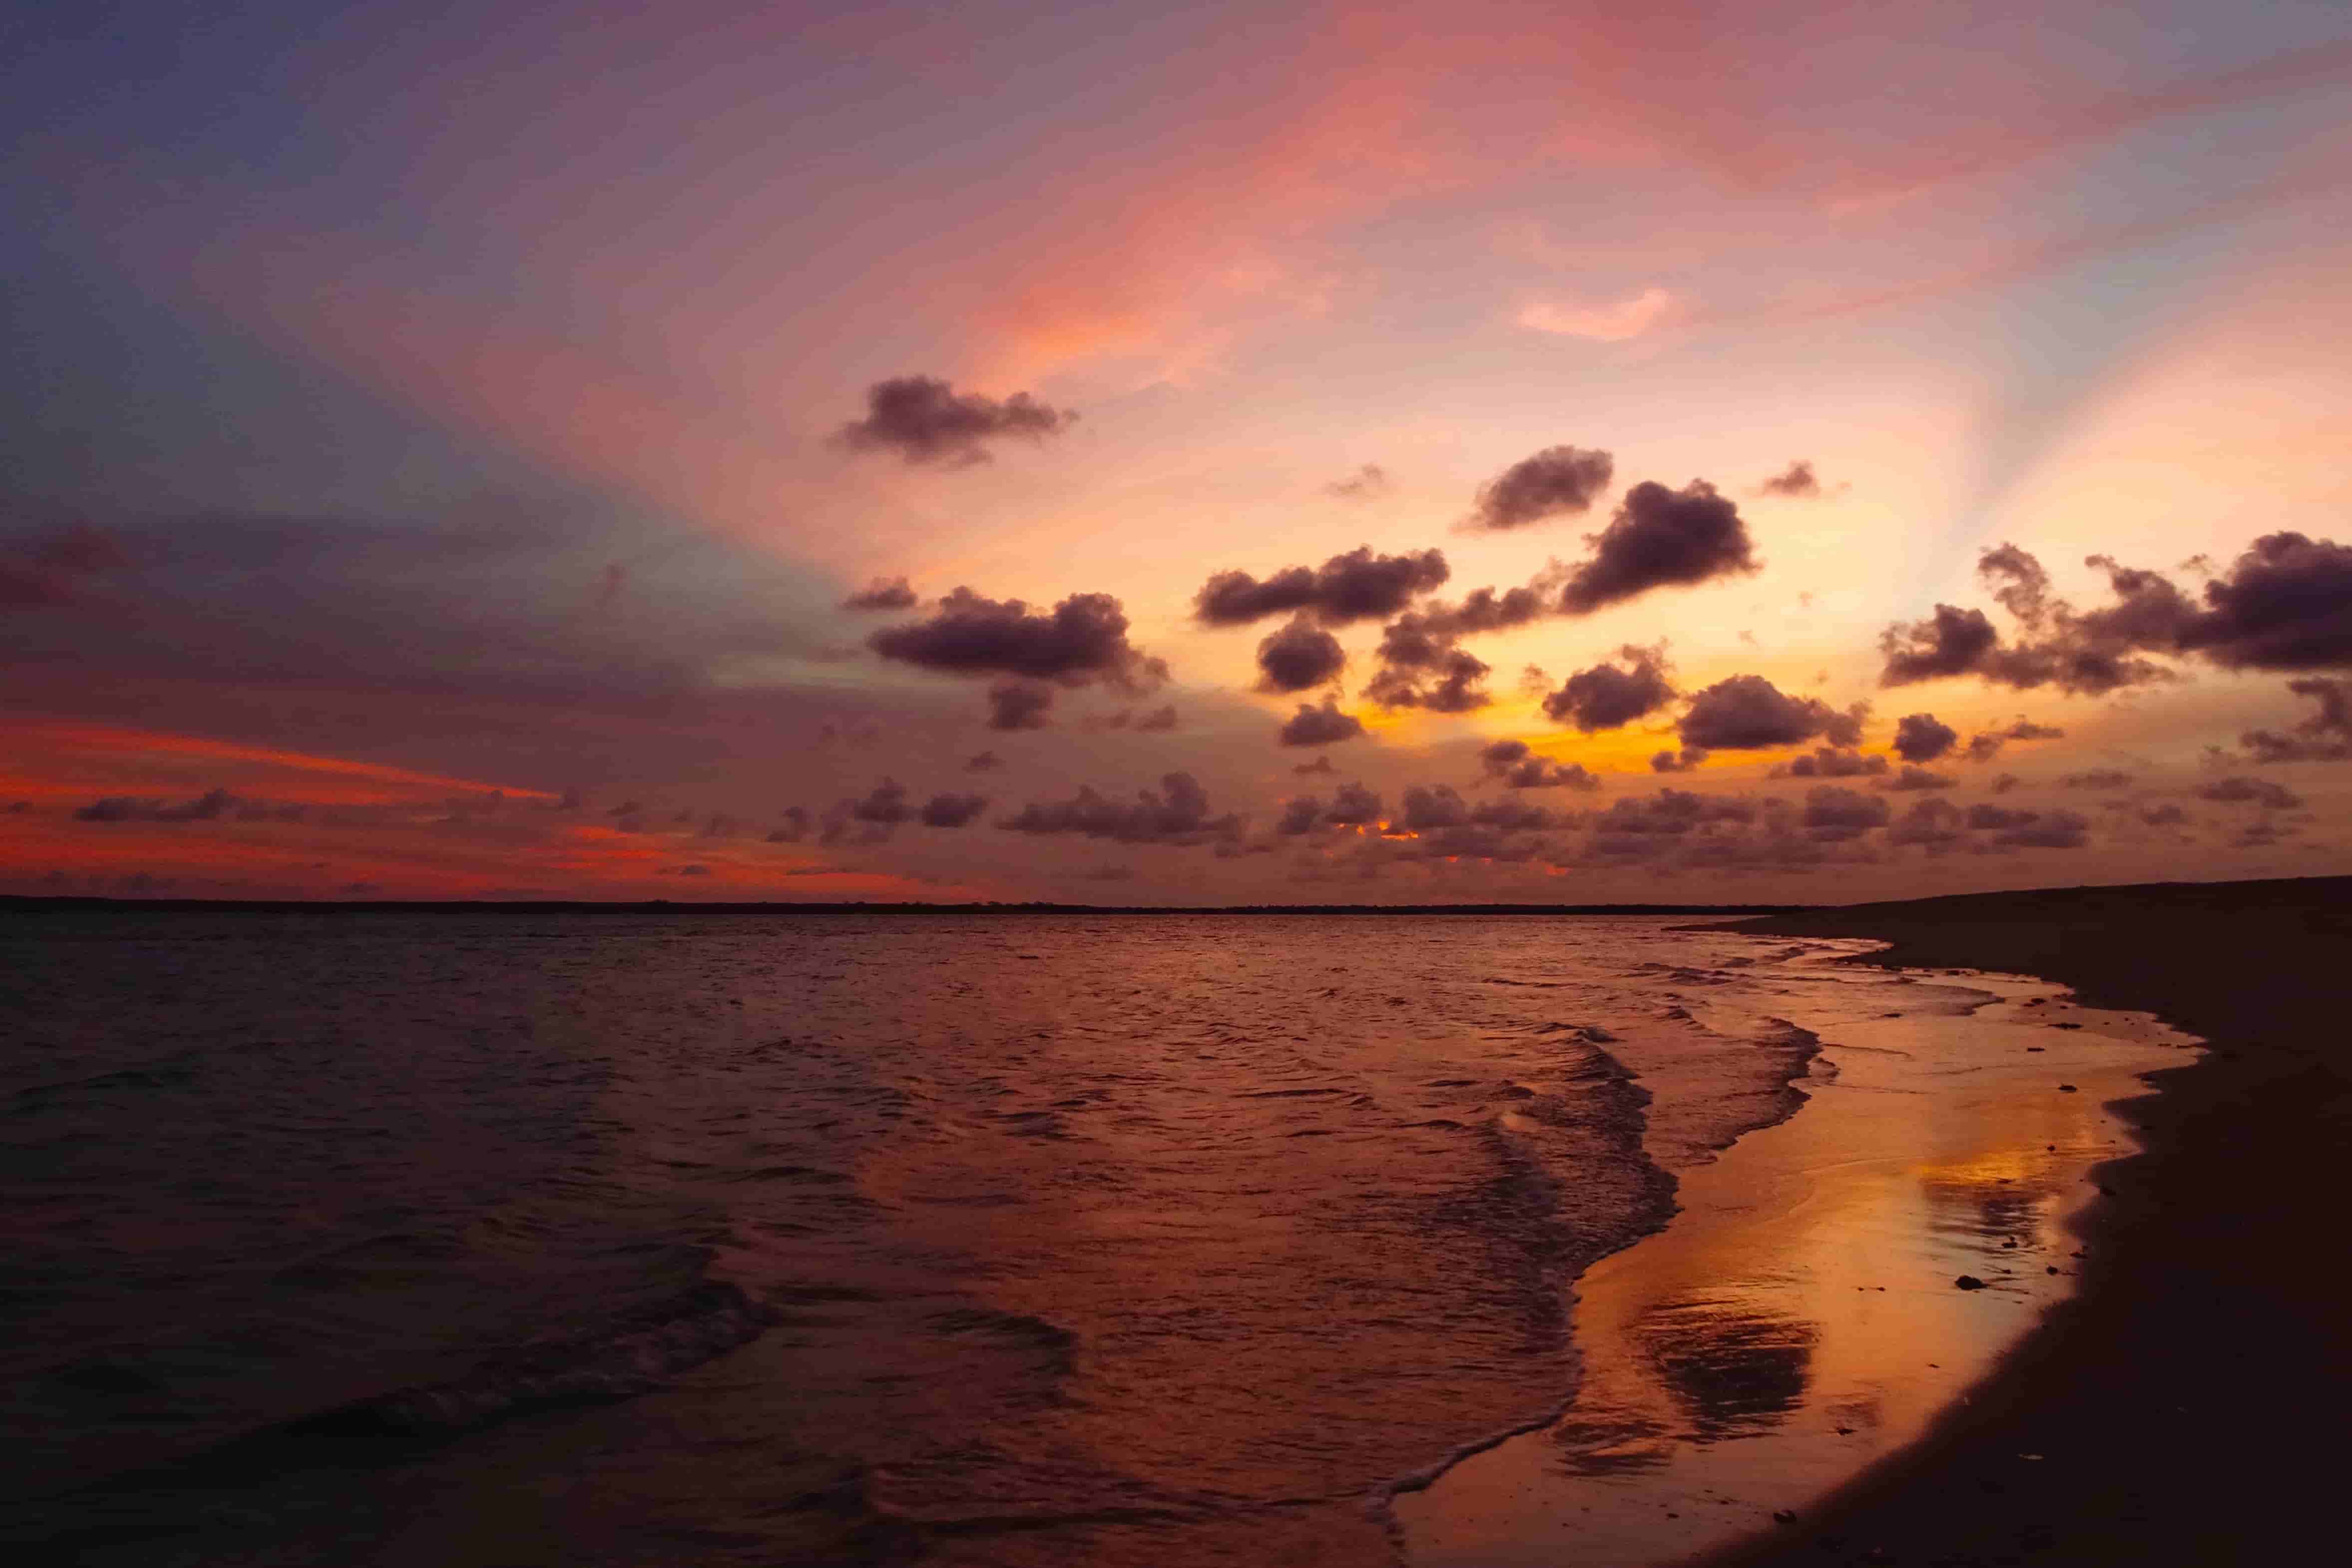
1005 1239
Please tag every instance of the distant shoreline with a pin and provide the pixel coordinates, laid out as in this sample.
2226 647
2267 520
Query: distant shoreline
2294 889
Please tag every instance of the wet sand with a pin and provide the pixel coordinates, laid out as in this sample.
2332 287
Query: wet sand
1798 1319
2187 1407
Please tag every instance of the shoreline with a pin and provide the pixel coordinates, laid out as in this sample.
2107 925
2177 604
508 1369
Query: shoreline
2172 1403
1796 1321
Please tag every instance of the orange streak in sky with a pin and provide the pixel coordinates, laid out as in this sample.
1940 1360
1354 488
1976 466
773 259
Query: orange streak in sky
46 740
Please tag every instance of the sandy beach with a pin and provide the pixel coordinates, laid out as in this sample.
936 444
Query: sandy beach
2177 1411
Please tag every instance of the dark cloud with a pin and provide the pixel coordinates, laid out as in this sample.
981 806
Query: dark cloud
1917 778
1832 762
2284 604
1660 538
1932 824
1748 712
1607 696
1177 813
1453 684
1686 761
210 807
1323 726
1517 766
53 569
2164 815
1297 657
1156 720
2097 778
848 732
952 810
1555 481
1020 705
1430 808
1921 738
1796 481
1369 482
1669 813
882 594
1299 815
797 826
1833 813
925 420
982 763
1985 745
1083 640
1353 806
1355 587
2251 792
886 804
2325 737
2046 830
2004 783
1320 765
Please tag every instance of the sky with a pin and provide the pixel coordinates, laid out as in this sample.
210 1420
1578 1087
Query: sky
1205 454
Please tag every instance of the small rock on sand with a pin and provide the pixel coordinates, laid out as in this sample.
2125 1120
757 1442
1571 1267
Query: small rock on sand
1969 1282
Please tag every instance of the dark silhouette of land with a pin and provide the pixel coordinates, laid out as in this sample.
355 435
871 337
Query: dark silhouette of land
2189 1407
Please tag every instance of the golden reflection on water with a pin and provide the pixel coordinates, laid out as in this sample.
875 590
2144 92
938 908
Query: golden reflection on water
1800 1318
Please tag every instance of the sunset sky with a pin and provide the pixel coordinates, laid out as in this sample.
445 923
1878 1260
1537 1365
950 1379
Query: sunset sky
799 452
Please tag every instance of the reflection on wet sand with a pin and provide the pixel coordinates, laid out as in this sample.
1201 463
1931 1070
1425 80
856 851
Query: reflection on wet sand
1798 1319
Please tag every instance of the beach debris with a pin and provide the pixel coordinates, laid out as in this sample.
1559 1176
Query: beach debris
2009 1246
1784 1516
2050 1268
2066 1089
1969 1282
2031 1050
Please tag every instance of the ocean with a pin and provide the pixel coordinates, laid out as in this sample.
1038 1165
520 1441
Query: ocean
1003 1239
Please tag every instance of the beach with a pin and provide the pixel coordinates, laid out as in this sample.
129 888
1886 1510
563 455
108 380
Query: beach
2179 1410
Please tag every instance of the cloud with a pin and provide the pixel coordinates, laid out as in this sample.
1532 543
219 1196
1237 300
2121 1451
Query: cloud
1453 686
2325 737
925 420
1932 824
1369 482
982 763
886 803
1669 761
1916 778
1832 762
1177 813
1796 482
2004 783
1985 745
2097 778
882 594
1432 807
1833 813
1556 481
1323 726
1606 697
1355 587
1320 765
952 810
53 569
1158 721
1297 657
1299 815
1518 767
2166 815
1610 321
2046 830
1020 705
1661 537
1921 738
797 826
1081 641
2285 602
1748 712
1669 813
1353 806
2251 792
210 807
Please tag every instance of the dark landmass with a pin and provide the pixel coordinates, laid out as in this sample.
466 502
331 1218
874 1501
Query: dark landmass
12 903
2189 1407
